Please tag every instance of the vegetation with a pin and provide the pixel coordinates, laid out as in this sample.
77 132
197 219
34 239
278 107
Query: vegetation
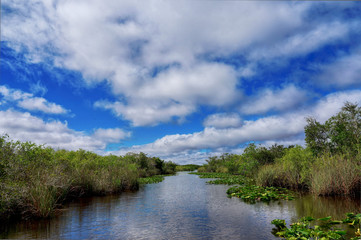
329 165
152 179
36 180
253 193
304 229
187 167
223 178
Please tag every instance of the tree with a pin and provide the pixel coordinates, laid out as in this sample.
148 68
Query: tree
339 134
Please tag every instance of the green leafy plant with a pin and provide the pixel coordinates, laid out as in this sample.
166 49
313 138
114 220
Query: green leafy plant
252 193
306 228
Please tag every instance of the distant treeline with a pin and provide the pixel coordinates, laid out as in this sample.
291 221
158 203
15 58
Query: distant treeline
36 180
187 167
329 165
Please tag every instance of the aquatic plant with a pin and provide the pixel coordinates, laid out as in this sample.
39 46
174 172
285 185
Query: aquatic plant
152 179
211 174
306 228
253 193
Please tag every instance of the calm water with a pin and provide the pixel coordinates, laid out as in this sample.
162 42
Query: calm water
180 207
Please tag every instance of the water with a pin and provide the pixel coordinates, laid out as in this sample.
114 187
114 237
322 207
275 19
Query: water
180 207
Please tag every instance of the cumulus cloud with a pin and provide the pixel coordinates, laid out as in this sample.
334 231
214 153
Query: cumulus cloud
111 135
274 100
222 120
144 51
55 134
283 129
176 93
147 113
29 102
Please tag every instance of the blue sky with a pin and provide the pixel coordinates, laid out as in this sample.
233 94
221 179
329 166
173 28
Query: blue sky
181 80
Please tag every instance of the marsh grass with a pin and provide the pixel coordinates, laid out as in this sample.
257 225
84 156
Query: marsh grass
336 175
35 181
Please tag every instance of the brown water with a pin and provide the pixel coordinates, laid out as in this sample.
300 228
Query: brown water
180 207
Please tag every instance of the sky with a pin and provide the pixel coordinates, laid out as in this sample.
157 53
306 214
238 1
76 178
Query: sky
180 80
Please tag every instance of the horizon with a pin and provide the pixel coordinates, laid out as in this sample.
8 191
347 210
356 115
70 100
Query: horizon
182 81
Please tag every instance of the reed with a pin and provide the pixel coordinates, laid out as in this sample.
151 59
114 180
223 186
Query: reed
336 175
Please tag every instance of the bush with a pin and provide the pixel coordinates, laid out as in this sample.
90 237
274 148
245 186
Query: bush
271 175
296 165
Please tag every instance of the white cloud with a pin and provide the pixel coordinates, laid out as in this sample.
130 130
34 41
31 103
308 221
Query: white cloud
55 134
111 135
283 129
344 72
40 104
177 93
304 42
147 113
126 42
279 100
38 88
29 102
220 120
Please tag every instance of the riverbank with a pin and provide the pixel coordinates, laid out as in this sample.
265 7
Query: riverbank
36 181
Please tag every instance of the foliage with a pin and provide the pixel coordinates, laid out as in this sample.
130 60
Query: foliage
339 134
253 193
296 164
152 179
36 180
211 174
223 178
335 175
305 229
187 167
231 180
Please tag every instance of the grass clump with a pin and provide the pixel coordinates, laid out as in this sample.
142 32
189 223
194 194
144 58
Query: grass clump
253 193
336 175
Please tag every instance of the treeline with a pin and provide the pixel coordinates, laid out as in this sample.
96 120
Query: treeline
330 164
187 167
36 180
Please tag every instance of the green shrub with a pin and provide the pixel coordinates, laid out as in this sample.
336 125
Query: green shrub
271 175
296 165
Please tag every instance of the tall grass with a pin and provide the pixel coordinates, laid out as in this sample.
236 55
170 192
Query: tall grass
35 180
336 175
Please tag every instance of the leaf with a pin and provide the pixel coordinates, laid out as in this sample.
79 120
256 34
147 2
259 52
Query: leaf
325 218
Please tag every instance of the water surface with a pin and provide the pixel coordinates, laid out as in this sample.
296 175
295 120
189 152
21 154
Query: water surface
180 207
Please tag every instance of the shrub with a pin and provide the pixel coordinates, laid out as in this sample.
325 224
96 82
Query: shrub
271 175
296 165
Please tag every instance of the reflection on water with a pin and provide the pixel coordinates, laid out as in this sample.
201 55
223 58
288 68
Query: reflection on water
180 207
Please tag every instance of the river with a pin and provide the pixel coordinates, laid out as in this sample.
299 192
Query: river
180 207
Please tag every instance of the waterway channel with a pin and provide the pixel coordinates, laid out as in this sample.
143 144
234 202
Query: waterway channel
180 207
